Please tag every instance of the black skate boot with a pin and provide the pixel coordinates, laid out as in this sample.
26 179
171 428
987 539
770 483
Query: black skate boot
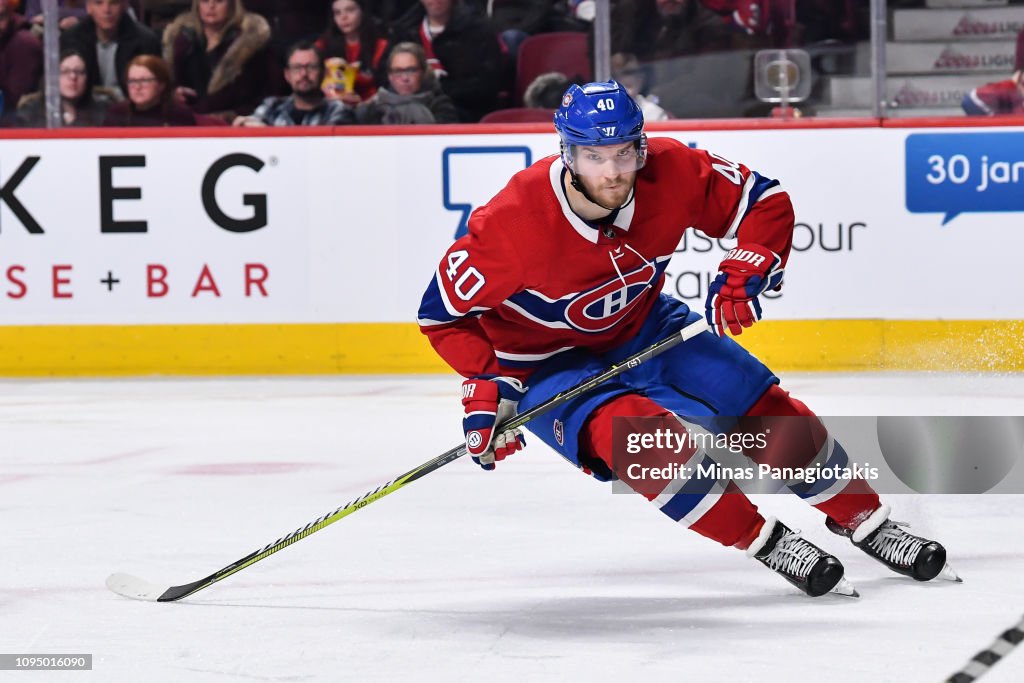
799 561
900 551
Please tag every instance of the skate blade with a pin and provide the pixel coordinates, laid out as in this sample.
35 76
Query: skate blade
846 588
949 574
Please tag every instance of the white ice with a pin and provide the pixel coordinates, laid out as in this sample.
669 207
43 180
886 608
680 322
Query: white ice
531 572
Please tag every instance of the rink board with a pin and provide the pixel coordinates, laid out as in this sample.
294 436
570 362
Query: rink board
248 253
377 348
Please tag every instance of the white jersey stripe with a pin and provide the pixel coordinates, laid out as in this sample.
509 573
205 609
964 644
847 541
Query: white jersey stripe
741 209
769 192
548 300
705 504
546 323
444 296
508 355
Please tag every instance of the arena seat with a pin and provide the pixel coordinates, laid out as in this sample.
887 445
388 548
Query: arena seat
519 115
563 51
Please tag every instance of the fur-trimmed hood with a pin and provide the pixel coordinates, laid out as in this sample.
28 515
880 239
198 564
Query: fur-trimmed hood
254 36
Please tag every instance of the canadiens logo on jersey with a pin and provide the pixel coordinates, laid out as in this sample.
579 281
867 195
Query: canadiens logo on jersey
603 307
533 279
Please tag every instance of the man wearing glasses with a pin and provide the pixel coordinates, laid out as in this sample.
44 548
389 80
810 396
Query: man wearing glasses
109 38
412 94
306 106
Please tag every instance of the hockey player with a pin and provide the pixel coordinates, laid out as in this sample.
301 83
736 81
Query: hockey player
561 274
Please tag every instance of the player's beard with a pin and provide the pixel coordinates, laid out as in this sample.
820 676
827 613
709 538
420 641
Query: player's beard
610 193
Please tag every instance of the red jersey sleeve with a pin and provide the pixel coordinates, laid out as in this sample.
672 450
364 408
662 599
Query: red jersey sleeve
477 273
743 204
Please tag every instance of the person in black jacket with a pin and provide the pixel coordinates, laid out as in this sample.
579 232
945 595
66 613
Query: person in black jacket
108 39
81 103
462 50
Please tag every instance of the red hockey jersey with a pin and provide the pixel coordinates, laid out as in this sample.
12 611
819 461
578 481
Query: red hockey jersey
532 279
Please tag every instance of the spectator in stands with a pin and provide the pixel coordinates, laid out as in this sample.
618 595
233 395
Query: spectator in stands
21 58
109 38
160 13
151 100
827 20
412 94
513 21
462 50
546 90
221 59
1000 97
634 78
82 104
661 29
388 12
307 105
291 20
516 20
354 38
70 12
753 17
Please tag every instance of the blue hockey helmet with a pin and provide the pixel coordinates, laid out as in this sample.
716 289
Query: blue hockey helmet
599 114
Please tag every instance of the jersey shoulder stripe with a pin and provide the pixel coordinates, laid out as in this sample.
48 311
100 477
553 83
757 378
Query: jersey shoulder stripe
755 188
437 309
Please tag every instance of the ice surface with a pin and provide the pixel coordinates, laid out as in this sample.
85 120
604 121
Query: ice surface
532 572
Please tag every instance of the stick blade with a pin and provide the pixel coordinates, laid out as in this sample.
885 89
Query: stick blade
135 588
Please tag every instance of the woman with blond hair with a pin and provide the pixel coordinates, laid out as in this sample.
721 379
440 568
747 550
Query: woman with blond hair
221 59
151 100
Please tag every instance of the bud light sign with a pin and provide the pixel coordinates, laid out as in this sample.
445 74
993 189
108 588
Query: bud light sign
955 173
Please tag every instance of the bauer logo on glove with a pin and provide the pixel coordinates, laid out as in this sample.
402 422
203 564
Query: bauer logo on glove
745 273
488 402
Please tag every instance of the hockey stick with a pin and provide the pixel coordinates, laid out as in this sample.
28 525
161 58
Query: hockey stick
987 658
133 587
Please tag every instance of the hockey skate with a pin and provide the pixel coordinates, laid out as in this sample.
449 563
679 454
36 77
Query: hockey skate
799 561
900 551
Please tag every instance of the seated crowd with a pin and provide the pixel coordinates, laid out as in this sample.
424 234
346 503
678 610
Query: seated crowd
311 62
259 62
